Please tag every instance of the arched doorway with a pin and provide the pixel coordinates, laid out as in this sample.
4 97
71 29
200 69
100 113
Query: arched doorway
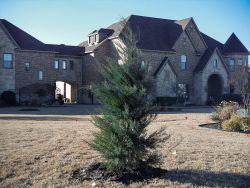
214 91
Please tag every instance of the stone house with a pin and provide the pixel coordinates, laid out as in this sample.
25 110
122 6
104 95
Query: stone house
177 54
28 66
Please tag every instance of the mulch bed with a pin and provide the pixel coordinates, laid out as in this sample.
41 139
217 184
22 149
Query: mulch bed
212 126
97 172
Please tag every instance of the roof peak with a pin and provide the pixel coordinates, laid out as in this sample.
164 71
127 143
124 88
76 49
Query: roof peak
234 45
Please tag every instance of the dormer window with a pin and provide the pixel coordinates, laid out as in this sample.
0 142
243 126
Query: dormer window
96 40
89 39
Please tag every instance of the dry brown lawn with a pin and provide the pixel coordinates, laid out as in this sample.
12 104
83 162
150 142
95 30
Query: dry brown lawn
43 151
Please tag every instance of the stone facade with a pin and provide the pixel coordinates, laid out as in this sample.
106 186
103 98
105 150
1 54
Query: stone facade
7 76
44 61
201 79
190 42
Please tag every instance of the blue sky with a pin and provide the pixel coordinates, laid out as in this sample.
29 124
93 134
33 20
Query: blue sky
69 21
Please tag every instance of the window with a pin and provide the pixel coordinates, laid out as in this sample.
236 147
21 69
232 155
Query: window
183 62
231 64
40 75
27 66
142 64
56 64
7 61
89 39
215 63
95 38
64 65
71 65
240 61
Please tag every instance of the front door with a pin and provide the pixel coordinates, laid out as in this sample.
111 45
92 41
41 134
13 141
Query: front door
214 88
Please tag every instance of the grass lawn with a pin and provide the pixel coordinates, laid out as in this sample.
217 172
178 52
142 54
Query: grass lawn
42 150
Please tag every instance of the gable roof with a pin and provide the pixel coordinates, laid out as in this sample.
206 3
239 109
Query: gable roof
164 61
153 33
234 45
205 58
23 39
212 43
27 42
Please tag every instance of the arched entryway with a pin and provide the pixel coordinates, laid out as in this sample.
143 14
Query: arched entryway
214 88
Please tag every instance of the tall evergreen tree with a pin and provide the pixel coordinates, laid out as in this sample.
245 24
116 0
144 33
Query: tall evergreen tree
122 140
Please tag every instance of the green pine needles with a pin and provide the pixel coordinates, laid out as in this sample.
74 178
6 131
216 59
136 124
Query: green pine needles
123 141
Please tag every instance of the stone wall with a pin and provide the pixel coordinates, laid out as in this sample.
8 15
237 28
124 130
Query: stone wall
7 76
184 46
44 61
206 73
166 82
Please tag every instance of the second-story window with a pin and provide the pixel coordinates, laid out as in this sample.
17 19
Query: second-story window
231 64
183 62
64 65
215 63
240 61
8 61
56 64
27 66
40 75
71 65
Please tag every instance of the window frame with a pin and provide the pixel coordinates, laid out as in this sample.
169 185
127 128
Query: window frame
215 63
11 62
56 68
71 65
27 68
183 63
240 61
40 75
64 68
232 66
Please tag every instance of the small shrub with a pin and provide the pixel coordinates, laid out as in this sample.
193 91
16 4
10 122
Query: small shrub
245 124
233 124
227 110
60 99
215 116
9 98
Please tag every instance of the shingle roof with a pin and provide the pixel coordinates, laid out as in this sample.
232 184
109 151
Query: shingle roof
23 39
65 49
212 43
153 33
204 59
163 62
27 42
233 44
